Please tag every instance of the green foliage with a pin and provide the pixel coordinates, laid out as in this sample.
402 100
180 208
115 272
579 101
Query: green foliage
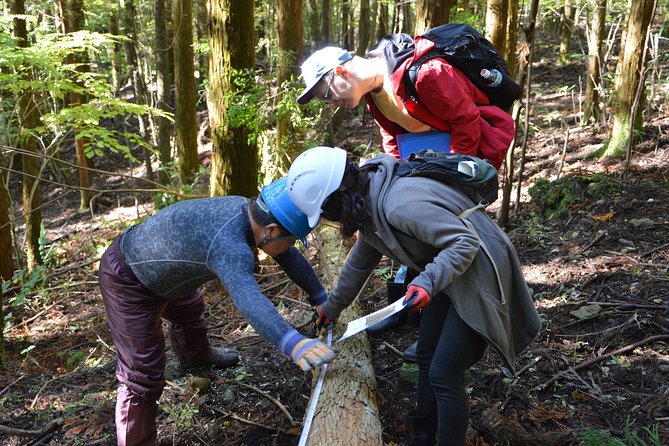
556 197
599 437
45 69
25 283
245 106
181 413
476 21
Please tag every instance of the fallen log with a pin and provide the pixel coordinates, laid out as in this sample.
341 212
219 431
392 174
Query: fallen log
347 411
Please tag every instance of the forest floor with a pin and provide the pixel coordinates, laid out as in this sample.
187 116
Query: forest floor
599 273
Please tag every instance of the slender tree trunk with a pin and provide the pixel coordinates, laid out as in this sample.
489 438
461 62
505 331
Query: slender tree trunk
184 88
291 45
6 259
346 37
234 159
431 13
163 84
632 74
591 108
136 74
29 119
326 23
365 28
523 78
407 17
495 23
567 26
511 36
74 21
116 75
315 35
382 21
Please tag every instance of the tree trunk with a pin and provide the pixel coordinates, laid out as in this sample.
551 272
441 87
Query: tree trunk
184 90
346 38
347 411
6 260
523 79
567 25
291 45
234 159
326 23
511 36
136 74
431 13
365 28
632 77
591 109
495 23
116 74
407 17
315 35
73 22
163 84
29 119
382 20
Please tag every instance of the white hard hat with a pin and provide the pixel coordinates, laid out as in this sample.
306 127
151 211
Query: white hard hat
313 176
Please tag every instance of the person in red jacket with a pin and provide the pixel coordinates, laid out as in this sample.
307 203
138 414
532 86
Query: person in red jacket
446 99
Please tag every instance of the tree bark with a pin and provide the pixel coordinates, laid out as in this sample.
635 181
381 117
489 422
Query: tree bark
495 23
326 23
511 36
346 37
73 22
184 90
234 159
567 25
347 411
163 85
116 75
431 13
136 74
631 77
290 25
365 27
591 108
315 35
382 20
29 119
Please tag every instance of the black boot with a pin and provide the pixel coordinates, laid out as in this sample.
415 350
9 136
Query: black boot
409 354
421 431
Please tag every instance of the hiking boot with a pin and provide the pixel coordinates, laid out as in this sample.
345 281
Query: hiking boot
222 358
420 431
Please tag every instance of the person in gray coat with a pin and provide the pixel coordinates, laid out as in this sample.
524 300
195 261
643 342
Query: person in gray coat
470 284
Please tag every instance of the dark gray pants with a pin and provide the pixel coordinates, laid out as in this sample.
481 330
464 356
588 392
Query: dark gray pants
134 315
447 348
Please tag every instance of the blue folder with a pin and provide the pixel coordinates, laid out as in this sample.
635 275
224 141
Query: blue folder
407 143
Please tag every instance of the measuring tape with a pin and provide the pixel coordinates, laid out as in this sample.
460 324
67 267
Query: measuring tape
313 402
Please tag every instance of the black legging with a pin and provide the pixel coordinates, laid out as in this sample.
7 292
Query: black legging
447 347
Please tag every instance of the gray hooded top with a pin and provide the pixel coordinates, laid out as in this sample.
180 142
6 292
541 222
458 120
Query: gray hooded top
415 222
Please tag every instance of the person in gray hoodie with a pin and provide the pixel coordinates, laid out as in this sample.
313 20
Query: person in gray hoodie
470 284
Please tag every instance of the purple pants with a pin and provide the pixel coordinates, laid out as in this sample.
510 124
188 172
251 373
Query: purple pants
134 315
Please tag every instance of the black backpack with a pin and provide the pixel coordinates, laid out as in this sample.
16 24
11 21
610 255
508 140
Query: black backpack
461 46
468 51
477 178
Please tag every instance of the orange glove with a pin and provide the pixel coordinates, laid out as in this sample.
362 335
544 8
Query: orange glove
417 297
321 319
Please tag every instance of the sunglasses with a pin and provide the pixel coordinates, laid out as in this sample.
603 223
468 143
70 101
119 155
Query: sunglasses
328 100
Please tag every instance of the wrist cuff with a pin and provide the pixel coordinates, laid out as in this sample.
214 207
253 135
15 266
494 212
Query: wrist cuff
289 341
318 297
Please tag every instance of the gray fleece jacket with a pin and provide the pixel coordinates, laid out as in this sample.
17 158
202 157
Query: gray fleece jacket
415 222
